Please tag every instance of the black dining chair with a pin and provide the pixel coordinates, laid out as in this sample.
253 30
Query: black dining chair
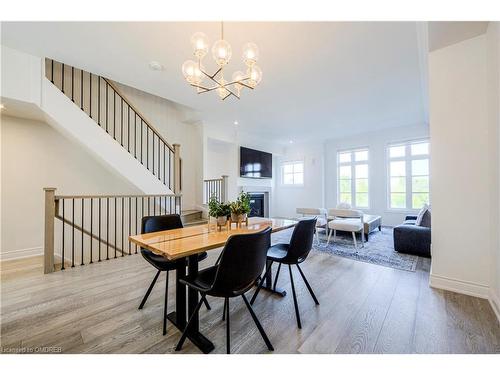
293 253
156 224
241 262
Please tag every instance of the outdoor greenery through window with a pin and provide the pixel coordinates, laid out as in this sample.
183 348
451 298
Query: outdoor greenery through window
292 173
353 177
408 175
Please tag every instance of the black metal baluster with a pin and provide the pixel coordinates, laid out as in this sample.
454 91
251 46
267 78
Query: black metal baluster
62 78
73 234
141 140
99 223
115 228
81 89
164 170
91 226
154 206
90 95
107 107
73 84
129 223
52 71
128 129
149 205
123 235
135 135
153 154
107 228
82 232
99 100
159 158
114 114
147 147
136 218
121 122
63 223
169 170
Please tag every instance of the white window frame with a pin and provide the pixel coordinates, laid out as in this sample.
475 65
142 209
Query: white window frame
407 158
282 172
353 164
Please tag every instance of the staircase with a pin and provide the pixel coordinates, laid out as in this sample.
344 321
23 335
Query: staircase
193 217
110 126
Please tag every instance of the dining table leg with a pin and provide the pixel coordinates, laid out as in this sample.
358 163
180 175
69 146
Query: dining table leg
180 315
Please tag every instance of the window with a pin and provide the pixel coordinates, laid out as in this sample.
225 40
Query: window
408 175
353 177
292 173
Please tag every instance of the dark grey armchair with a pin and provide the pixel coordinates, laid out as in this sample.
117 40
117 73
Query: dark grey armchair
412 239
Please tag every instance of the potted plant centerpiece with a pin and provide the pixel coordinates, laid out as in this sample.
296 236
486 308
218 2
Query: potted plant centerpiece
218 210
240 208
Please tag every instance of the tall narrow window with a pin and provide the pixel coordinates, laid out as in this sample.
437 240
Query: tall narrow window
408 175
353 178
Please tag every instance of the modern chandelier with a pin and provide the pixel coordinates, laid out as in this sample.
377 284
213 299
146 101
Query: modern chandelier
194 72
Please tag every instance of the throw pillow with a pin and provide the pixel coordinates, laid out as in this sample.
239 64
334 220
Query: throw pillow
421 214
426 219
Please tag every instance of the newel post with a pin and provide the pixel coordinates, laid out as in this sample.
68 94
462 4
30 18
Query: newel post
50 214
177 168
225 187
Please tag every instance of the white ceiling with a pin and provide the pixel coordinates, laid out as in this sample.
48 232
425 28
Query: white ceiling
320 80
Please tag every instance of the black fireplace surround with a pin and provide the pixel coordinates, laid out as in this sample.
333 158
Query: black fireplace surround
256 205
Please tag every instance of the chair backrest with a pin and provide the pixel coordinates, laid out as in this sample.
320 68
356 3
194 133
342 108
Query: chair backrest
158 223
162 222
242 261
311 211
302 239
344 213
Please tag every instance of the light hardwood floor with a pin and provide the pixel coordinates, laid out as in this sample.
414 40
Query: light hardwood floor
364 308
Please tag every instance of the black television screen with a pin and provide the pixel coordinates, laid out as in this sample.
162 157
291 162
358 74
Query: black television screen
255 164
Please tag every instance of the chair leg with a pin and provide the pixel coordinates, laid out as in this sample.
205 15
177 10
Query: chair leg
257 323
268 269
204 298
363 237
184 333
307 285
165 308
228 331
276 278
224 310
297 314
329 236
355 242
334 235
149 290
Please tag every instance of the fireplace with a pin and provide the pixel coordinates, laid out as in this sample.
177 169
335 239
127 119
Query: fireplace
257 207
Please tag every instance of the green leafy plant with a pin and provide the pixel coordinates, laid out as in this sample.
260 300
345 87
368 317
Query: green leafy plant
218 209
241 205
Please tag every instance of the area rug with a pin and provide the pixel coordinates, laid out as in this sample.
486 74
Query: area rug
378 250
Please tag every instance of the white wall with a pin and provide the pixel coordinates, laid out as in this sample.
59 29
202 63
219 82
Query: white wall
311 194
34 156
461 167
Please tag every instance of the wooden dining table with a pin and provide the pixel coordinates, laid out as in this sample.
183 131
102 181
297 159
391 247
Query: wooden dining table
187 243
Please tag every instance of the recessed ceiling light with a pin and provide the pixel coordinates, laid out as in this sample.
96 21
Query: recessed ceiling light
290 142
236 123
155 65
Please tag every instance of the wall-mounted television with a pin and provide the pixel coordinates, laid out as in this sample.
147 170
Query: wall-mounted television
255 164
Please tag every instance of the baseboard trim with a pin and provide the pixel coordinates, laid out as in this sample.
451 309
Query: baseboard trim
21 253
459 286
495 303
